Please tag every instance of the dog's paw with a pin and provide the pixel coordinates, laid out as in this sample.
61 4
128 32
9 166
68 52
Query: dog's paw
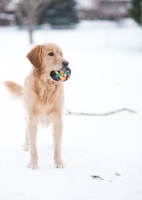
33 165
25 147
59 164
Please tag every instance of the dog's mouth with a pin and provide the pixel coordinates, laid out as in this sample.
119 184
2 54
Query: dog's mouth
61 75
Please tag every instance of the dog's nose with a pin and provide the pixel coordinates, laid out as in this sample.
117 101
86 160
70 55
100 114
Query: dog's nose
65 63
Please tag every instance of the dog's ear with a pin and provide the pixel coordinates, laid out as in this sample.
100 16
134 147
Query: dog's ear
35 56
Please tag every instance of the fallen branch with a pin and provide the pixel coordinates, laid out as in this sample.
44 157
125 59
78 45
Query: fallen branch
102 114
97 177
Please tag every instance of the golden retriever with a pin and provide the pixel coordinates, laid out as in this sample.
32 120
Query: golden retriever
43 99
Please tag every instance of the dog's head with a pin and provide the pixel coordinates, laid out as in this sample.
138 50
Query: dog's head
48 56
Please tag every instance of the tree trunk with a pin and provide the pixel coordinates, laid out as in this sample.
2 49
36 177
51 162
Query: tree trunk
141 19
30 30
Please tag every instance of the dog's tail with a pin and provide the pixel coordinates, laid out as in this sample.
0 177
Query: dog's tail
15 89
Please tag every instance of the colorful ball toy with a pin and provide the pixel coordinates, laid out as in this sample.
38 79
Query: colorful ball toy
62 75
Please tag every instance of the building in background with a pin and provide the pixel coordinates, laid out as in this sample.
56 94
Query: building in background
6 14
103 9
87 9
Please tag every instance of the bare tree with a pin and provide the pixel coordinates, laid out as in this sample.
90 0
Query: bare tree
3 3
29 12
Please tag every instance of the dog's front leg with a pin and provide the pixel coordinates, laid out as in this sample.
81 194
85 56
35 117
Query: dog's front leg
26 143
32 132
57 136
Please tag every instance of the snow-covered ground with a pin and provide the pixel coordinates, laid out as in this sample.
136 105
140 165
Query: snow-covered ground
106 63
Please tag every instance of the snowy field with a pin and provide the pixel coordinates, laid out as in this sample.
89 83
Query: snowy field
106 63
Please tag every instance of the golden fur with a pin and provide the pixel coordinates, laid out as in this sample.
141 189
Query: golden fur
43 99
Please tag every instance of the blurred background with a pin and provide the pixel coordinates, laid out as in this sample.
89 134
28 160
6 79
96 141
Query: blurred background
67 14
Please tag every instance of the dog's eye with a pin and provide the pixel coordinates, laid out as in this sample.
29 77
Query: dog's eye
51 54
61 54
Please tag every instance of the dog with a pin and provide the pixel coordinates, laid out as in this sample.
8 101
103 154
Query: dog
43 99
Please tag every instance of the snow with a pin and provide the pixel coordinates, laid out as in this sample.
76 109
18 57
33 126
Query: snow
105 59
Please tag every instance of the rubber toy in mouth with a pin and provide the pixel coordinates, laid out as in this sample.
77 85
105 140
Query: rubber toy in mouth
62 75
